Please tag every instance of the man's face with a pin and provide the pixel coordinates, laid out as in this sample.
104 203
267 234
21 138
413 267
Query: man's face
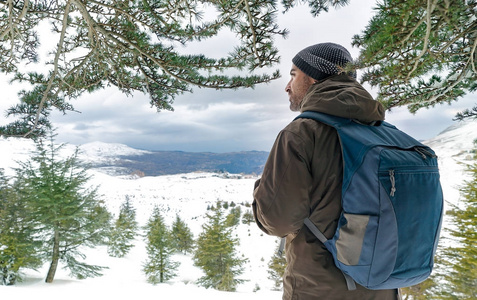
297 87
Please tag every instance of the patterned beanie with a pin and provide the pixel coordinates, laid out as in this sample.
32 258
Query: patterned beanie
322 60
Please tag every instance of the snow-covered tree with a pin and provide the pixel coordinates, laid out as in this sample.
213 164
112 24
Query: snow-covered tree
69 212
159 266
123 231
216 254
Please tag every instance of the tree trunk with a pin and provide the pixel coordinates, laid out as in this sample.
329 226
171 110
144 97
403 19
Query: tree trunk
161 280
55 258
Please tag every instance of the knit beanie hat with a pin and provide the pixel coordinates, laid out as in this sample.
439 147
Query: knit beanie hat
321 60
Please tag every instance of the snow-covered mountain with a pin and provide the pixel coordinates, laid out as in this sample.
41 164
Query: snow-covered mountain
454 147
189 195
19 149
119 159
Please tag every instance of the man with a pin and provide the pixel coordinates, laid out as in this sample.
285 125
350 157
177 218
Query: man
303 174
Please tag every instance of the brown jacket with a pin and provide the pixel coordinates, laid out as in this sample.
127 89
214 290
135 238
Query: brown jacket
302 178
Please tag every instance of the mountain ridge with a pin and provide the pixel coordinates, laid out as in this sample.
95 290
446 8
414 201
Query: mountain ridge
119 159
156 163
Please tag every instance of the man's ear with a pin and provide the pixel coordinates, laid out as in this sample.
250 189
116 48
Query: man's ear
311 80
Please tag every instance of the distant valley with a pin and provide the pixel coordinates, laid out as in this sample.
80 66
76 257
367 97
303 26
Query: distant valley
155 163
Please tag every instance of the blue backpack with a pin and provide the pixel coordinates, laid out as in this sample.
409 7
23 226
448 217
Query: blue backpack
392 206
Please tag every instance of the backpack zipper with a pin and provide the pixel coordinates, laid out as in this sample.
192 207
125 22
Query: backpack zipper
391 174
393 182
424 153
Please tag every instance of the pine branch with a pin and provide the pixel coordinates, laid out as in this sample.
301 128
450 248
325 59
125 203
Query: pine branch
420 53
430 9
468 113
55 71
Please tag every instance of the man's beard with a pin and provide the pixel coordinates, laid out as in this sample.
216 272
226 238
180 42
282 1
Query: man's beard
294 105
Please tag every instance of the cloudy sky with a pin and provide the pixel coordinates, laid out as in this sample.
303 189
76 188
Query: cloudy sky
225 121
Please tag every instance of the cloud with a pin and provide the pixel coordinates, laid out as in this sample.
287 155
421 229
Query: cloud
429 122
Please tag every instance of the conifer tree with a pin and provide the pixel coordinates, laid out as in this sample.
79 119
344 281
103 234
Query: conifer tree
123 231
18 244
69 212
159 266
421 53
181 235
233 218
216 254
248 217
276 268
459 260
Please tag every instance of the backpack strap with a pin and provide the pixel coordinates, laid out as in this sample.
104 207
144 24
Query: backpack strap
281 246
321 237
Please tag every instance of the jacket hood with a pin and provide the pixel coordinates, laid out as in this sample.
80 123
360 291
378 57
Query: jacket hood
342 96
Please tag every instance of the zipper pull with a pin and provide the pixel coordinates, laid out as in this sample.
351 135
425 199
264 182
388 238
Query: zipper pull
393 183
424 153
420 151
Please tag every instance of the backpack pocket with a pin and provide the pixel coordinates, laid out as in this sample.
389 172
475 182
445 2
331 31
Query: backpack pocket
353 245
352 233
417 209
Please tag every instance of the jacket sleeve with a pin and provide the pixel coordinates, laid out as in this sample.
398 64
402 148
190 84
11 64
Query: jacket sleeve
281 196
